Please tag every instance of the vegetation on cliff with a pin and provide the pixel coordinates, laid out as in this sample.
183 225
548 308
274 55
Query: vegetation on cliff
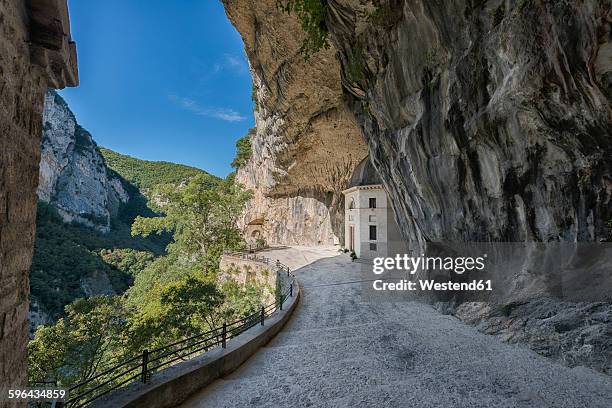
66 253
244 150
146 174
311 15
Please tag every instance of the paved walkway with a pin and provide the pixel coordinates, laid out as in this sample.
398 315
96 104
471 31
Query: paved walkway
337 351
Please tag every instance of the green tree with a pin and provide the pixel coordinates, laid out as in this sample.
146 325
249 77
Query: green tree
127 259
242 300
173 297
146 175
202 219
81 344
176 311
243 150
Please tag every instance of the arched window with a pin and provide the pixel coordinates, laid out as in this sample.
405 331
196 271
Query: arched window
351 204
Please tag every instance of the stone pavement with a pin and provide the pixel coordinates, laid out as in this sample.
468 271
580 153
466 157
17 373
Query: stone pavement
338 351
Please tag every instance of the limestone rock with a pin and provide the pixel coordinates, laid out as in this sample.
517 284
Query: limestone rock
307 143
573 333
73 176
486 121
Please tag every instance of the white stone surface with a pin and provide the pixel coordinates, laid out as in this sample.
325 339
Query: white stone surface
338 351
358 216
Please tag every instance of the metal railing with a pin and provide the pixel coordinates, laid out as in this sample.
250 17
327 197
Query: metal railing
142 366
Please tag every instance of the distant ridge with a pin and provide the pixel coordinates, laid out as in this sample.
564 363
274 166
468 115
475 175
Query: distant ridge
146 174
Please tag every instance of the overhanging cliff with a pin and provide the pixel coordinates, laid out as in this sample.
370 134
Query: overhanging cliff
486 120
307 142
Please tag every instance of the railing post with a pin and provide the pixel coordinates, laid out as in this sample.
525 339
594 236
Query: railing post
291 289
145 363
287 271
281 301
223 341
277 264
263 313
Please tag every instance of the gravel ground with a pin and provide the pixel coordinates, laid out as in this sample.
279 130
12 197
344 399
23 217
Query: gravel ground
338 351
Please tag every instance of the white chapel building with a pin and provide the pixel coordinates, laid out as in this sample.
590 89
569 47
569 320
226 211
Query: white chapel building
369 223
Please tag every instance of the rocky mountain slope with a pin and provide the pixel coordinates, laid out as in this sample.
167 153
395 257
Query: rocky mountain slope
486 120
73 177
88 199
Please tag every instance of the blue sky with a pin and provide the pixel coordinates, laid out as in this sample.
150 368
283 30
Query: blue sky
161 80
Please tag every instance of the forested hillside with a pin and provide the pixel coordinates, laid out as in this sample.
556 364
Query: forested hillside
146 174
74 260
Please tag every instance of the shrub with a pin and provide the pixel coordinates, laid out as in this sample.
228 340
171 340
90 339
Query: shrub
243 150
311 15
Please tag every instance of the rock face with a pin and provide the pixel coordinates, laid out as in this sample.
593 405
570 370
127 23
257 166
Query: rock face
37 53
307 143
73 176
577 334
486 121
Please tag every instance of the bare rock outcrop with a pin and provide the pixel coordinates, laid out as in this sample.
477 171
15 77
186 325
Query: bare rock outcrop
487 122
73 176
307 143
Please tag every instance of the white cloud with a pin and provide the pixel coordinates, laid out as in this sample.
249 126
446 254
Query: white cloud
231 62
228 115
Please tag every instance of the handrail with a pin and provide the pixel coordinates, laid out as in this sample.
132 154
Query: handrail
179 350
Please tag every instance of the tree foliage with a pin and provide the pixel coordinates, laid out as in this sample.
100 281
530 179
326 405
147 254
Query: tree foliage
202 219
176 310
243 150
64 253
78 345
146 174
174 296
127 259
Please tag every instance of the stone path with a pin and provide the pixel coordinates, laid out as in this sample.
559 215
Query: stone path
338 351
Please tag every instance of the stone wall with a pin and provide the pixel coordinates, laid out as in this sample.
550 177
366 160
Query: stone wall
243 269
36 52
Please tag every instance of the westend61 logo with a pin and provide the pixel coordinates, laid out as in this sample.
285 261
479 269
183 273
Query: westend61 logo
427 265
